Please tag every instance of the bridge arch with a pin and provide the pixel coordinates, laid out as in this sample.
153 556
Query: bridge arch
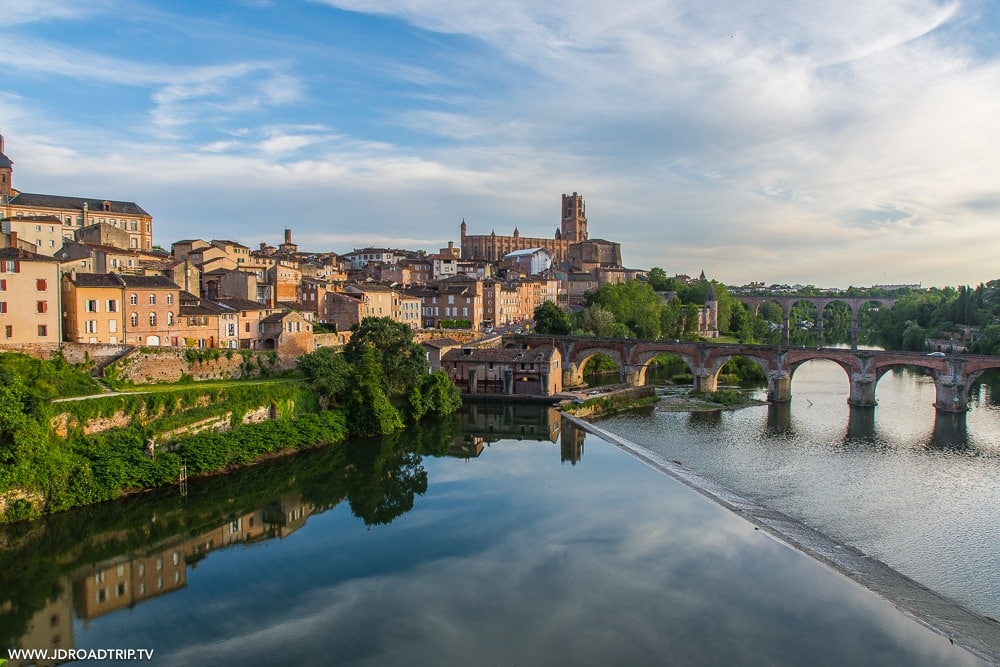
641 361
573 367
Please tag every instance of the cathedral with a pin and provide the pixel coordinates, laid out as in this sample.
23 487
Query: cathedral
570 246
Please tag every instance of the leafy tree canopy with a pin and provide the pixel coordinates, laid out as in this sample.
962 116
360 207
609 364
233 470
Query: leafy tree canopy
550 319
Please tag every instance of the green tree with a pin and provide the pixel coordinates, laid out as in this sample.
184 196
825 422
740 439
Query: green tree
658 279
402 361
550 319
369 410
634 303
327 371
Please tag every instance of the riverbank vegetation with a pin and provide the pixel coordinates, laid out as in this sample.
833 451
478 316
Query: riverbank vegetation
378 478
662 308
56 455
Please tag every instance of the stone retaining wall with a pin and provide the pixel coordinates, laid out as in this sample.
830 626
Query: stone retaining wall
150 365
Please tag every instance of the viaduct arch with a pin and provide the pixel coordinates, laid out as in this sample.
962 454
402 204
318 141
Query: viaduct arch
953 374
786 302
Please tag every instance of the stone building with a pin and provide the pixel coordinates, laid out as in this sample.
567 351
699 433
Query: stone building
71 213
533 372
29 297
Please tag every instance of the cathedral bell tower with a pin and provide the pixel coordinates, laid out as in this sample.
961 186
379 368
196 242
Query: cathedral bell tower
6 174
574 219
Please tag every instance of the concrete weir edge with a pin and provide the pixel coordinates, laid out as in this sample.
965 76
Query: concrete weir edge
974 632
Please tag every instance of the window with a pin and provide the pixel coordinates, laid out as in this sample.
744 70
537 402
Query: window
133 299
112 305
3 285
9 330
152 319
3 306
152 299
230 329
112 326
9 266
42 306
43 330
41 285
91 306
170 318
134 319
170 299
91 326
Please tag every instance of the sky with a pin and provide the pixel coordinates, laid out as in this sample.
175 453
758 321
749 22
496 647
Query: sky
784 141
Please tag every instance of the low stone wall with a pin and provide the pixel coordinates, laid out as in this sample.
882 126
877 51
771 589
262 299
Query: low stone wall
217 423
150 365
37 350
611 402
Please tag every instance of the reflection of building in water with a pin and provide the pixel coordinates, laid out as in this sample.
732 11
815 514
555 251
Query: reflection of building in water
127 580
50 628
571 439
494 421
466 447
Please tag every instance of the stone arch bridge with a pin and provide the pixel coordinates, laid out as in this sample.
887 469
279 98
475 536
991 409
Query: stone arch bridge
953 374
821 302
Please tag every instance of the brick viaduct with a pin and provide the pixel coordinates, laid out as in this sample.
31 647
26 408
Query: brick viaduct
821 302
953 374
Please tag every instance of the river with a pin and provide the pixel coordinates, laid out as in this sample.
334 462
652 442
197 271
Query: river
913 489
508 537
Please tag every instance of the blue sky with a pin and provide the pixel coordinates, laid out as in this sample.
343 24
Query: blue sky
831 143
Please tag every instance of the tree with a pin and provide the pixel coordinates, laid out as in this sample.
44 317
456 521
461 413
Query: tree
327 370
550 319
369 410
403 362
634 303
658 279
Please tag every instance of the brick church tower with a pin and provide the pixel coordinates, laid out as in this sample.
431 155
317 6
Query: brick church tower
574 219
6 173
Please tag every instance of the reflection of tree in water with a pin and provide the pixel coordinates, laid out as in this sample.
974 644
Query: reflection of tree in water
380 477
386 474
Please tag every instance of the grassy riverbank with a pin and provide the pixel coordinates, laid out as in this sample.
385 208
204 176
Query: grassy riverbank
55 454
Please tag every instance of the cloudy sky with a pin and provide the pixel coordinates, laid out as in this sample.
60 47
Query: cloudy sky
801 141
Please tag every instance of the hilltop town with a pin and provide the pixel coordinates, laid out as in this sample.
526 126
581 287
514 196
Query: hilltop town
91 271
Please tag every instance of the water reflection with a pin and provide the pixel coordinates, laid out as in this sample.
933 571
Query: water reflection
442 561
951 432
861 423
779 418
705 419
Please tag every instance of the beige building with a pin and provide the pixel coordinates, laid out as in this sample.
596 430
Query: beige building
357 302
29 298
70 213
289 333
45 232
249 315
92 308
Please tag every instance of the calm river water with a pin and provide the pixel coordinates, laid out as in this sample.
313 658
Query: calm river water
508 537
917 491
